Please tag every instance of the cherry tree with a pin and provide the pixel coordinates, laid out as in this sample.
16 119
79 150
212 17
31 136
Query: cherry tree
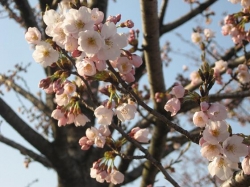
96 110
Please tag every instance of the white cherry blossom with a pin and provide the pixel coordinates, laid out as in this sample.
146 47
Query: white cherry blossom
81 120
210 151
126 111
86 67
90 42
45 54
113 42
215 132
33 35
217 112
200 119
234 148
77 21
222 167
104 115
116 177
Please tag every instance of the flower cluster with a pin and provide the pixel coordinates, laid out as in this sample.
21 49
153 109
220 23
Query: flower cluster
101 171
81 40
234 24
221 148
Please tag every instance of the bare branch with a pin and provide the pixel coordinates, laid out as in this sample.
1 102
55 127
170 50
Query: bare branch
23 150
24 129
170 26
38 103
162 13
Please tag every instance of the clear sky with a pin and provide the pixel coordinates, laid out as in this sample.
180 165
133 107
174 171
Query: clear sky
14 49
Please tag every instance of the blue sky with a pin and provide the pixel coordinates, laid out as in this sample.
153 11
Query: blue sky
14 49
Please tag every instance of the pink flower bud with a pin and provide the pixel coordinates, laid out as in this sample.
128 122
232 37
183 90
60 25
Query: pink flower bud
204 106
76 53
173 105
178 91
118 17
136 61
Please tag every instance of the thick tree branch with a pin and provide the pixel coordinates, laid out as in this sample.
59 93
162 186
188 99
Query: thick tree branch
34 138
170 26
23 150
38 103
239 179
26 13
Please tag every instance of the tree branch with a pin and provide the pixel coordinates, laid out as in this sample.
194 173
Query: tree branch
23 150
156 163
24 129
188 105
162 13
26 13
170 26
239 179
38 103
233 64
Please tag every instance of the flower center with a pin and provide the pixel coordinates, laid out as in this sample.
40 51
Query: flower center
79 24
91 42
46 53
88 68
109 43
230 148
215 133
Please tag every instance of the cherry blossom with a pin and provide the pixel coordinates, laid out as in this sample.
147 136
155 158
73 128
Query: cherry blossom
96 15
104 115
208 33
81 120
173 105
126 111
86 67
45 54
215 132
78 20
220 65
195 78
90 42
196 37
217 112
234 148
210 151
200 119
113 42
178 91
246 163
222 167
141 135
33 35
116 177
